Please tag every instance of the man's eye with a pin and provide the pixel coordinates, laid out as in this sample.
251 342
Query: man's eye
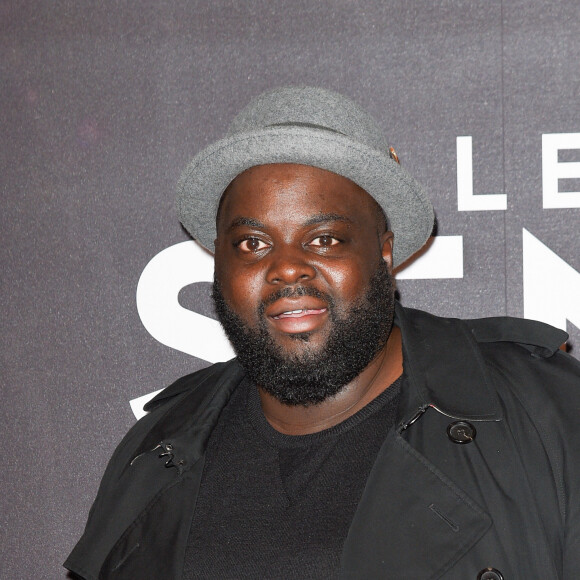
251 245
324 241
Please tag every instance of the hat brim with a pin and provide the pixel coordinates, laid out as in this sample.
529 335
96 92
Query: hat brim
404 201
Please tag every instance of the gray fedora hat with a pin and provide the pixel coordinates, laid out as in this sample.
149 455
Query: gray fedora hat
310 126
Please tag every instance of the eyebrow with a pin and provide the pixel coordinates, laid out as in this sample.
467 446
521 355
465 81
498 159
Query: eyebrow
316 219
327 217
246 221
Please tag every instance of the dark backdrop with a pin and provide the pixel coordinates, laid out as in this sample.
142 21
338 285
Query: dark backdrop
103 105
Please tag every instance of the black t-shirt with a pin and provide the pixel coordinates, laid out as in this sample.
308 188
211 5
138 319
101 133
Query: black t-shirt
272 505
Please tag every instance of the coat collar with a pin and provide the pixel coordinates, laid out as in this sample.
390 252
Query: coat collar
188 412
444 367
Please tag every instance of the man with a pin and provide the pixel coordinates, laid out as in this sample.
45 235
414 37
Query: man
351 437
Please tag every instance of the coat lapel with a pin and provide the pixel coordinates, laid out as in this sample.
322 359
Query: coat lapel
439 522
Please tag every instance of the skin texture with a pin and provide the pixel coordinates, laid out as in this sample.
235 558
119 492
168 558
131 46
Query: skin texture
287 225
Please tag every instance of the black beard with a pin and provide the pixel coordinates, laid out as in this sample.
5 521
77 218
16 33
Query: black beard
356 338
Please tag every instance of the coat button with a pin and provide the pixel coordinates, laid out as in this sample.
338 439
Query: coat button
490 574
461 432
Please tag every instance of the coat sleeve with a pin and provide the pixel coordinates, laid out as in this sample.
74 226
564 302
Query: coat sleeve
100 533
543 408
558 422
568 431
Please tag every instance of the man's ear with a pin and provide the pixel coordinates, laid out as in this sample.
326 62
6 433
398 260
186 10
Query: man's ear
387 241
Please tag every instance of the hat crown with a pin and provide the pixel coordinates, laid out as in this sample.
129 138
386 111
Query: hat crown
313 107
308 126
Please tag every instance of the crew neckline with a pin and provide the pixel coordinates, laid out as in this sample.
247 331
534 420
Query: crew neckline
260 424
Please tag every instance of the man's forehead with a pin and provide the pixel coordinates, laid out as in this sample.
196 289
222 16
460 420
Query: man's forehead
278 186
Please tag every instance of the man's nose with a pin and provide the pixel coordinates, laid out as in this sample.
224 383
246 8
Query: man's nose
290 266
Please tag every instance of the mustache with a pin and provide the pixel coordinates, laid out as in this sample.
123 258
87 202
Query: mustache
295 291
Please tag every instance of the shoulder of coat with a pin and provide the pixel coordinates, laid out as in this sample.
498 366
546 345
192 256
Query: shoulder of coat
537 337
195 380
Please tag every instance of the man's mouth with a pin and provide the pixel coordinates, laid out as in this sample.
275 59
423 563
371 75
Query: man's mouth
299 313
292 316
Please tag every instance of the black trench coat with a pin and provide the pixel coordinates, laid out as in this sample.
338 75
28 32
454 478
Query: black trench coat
507 499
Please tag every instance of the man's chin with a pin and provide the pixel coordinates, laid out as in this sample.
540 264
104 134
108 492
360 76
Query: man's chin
299 345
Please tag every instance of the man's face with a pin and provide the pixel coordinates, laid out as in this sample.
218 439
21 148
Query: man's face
302 263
